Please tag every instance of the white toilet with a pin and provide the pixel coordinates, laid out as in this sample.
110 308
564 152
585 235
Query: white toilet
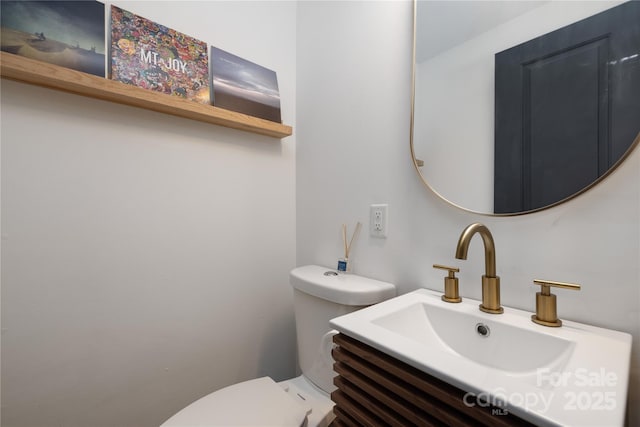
319 295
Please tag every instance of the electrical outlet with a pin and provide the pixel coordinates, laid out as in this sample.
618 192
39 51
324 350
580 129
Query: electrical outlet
378 220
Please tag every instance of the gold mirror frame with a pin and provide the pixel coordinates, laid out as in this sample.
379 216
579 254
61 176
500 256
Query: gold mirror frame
417 165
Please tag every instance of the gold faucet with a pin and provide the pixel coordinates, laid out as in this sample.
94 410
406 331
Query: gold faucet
490 282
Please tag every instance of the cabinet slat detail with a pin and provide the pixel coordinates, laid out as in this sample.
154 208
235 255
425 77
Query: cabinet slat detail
343 419
391 417
419 412
431 402
408 393
424 382
357 412
413 397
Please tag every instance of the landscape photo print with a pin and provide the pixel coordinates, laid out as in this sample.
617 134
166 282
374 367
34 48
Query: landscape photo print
65 33
243 86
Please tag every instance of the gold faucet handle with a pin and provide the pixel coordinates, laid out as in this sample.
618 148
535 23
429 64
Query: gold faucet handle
450 284
546 306
548 284
452 270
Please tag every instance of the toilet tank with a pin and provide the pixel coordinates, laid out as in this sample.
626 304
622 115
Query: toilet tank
319 295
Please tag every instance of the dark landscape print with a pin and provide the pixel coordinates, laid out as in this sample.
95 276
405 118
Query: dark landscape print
65 33
242 86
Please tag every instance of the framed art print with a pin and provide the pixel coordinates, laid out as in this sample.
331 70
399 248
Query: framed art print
65 33
154 57
242 86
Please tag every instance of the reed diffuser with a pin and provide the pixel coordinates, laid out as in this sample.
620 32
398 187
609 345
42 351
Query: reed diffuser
344 265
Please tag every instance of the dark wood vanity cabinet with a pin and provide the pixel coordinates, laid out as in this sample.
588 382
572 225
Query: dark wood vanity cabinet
375 389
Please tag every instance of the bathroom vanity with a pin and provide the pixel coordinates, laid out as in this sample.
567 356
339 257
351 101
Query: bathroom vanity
418 360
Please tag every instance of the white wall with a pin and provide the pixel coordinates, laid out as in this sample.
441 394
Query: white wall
145 258
136 275
457 86
354 61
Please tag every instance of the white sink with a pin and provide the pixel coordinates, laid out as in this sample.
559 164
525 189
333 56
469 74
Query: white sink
501 345
573 375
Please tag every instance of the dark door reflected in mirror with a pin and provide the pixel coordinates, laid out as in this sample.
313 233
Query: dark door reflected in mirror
566 103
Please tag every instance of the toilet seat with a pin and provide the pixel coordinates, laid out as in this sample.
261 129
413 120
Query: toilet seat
259 402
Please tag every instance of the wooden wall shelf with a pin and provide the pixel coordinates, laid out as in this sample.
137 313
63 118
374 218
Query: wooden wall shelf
27 70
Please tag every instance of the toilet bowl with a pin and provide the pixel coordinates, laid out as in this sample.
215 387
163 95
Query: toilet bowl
320 294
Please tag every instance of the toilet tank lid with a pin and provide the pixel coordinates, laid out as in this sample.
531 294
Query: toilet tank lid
346 289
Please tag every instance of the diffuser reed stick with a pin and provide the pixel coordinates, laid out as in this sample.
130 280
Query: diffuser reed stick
344 240
344 265
356 231
347 247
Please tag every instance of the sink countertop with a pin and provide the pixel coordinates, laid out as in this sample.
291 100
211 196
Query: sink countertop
573 375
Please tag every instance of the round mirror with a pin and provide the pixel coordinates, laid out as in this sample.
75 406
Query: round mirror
519 106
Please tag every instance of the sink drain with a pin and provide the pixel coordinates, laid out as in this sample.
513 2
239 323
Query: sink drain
483 329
